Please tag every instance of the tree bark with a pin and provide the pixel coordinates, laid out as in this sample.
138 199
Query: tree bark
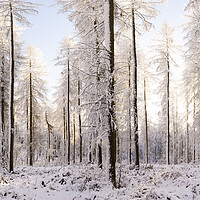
11 95
3 150
168 118
109 39
74 125
68 112
129 111
79 121
27 128
146 123
99 144
194 129
31 116
187 135
135 108
64 134
50 130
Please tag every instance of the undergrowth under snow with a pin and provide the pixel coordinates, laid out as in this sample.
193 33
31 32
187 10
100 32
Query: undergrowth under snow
87 182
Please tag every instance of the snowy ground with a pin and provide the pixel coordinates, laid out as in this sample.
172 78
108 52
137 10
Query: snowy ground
89 183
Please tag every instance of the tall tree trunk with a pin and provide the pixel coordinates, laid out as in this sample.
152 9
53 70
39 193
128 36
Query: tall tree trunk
74 125
146 123
135 109
174 136
79 121
64 134
27 128
194 129
187 135
90 149
3 149
177 133
109 41
31 115
49 143
50 130
168 122
99 143
118 147
100 164
129 111
68 113
11 94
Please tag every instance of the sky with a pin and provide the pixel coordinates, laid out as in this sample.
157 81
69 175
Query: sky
49 28
46 33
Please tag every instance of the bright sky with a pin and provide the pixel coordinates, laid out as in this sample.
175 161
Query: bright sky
49 29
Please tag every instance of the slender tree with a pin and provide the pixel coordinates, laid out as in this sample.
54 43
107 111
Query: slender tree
30 100
14 9
79 120
109 40
165 50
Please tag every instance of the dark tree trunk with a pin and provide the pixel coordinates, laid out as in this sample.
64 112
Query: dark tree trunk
99 145
79 121
129 111
11 95
146 123
64 134
90 149
68 113
50 130
194 130
27 128
3 150
74 125
187 136
31 116
100 154
118 147
135 109
168 123
109 32
178 138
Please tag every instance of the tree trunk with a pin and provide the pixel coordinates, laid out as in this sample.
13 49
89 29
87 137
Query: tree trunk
194 130
11 94
27 128
68 113
99 144
135 109
187 136
79 121
146 123
118 148
49 144
100 164
90 149
50 130
129 111
31 116
177 133
74 139
64 135
3 150
109 41
168 123
174 136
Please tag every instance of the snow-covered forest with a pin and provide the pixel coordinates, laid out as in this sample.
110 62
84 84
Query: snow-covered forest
123 121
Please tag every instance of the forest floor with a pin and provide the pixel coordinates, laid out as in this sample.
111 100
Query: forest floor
87 182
